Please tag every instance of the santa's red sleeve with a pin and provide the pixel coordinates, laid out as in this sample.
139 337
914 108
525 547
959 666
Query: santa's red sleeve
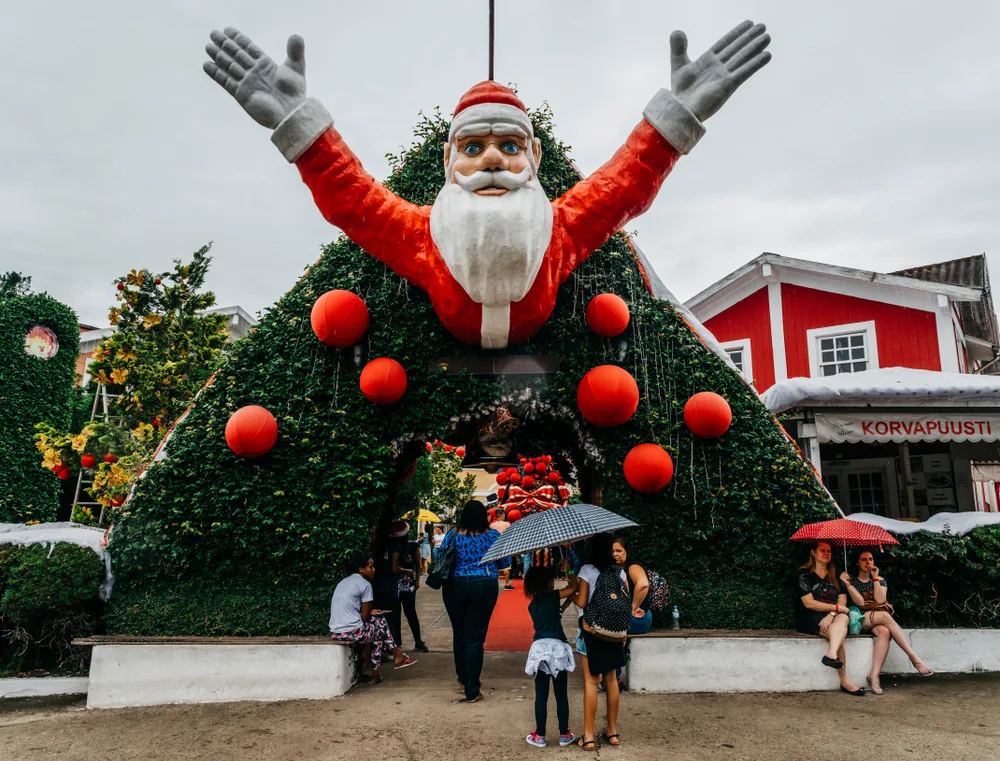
383 224
599 206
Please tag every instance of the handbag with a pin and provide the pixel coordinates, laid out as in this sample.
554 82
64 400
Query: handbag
444 566
659 591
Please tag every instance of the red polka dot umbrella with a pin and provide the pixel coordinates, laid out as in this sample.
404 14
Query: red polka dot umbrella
845 533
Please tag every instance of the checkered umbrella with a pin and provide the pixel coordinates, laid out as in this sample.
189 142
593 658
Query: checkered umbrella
551 528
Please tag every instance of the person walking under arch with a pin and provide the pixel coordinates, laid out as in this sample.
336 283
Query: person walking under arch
470 595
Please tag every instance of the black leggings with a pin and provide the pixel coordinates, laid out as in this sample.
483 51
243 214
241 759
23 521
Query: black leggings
409 602
542 702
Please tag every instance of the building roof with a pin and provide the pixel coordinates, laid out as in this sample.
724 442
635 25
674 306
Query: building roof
979 320
760 268
970 271
888 386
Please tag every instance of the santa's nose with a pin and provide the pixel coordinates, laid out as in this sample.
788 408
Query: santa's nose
492 159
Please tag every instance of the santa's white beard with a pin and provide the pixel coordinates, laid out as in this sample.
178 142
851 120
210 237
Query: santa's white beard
493 245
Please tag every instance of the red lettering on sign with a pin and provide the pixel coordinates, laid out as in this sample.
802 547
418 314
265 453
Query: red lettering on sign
866 427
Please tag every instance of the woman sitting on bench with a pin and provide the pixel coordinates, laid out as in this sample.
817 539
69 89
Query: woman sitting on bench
353 620
822 610
873 613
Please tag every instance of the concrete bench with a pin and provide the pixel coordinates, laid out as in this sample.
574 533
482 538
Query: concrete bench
708 660
143 671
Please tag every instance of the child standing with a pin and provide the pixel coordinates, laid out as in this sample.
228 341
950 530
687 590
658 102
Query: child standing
550 657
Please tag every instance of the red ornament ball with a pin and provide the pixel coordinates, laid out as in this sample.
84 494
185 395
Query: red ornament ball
707 415
383 381
529 468
541 468
339 318
528 482
515 479
118 501
514 515
449 448
428 446
607 315
88 461
157 281
607 395
460 451
63 474
121 286
110 459
523 460
251 431
648 468
552 477
502 479
547 459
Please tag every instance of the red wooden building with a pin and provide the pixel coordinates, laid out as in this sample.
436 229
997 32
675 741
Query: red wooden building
780 319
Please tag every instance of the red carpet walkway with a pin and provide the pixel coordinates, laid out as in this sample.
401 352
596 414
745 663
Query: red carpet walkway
510 628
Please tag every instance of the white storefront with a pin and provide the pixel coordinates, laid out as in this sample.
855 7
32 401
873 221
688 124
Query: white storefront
897 442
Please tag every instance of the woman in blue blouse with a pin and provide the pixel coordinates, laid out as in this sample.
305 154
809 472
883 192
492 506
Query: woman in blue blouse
471 595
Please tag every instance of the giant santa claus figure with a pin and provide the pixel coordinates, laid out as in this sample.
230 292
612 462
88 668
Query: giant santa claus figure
492 250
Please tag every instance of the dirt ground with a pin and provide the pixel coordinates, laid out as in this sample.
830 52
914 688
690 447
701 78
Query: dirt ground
411 716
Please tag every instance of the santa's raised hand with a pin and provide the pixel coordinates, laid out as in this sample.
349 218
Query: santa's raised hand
705 84
267 91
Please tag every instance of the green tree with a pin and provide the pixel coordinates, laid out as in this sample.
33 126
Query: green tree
14 284
449 490
163 351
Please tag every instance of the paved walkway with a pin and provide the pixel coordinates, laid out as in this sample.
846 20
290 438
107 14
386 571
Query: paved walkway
411 717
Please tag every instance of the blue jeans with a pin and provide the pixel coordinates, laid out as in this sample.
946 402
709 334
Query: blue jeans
469 602
525 562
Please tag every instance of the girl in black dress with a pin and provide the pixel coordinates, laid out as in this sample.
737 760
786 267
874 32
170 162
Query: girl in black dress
822 610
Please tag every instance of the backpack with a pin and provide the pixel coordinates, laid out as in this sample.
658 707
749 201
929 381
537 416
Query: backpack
659 591
609 610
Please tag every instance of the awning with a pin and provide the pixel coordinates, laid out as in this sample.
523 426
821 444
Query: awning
879 426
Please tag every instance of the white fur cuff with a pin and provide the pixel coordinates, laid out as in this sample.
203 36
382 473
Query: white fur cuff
301 128
674 121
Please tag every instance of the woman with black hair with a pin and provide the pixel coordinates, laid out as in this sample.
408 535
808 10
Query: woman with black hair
600 657
470 595
353 620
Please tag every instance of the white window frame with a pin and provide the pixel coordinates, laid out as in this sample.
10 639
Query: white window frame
743 345
813 337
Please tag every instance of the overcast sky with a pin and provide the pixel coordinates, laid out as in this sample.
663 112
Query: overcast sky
871 139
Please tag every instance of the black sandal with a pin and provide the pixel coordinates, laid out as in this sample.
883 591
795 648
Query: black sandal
582 744
605 737
856 693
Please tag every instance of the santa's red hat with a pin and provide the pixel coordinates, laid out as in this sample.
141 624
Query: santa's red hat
489 104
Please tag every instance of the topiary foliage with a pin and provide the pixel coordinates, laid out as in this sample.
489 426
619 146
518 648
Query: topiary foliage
215 526
32 390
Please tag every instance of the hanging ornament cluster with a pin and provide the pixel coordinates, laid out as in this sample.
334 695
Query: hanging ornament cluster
457 451
607 315
533 486
251 431
607 396
707 415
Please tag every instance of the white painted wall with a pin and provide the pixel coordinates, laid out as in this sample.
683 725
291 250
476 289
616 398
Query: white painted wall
948 651
35 687
142 675
740 664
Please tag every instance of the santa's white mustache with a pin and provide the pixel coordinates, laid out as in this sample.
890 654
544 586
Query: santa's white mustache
500 178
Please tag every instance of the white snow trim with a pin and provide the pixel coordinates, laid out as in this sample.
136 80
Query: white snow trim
889 385
674 121
489 114
68 533
301 128
495 329
956 524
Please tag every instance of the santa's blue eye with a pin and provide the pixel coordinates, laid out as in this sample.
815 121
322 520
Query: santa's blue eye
510 148
473 150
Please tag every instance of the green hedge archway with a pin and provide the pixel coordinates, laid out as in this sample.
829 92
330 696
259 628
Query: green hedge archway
213 544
